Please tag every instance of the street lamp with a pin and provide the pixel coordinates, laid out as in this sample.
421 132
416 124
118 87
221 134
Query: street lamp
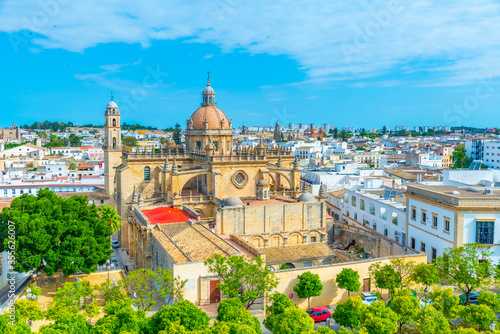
34 276
108 266
493 326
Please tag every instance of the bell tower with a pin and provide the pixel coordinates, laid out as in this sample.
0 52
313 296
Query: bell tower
112 145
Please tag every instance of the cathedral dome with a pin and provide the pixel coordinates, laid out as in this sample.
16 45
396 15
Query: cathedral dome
216 119
208 116
208 89
306 197
112 104
232 202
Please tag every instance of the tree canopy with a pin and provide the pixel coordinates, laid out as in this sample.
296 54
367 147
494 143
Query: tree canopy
129 141
466 267
386 277
109 214
278 303
53 233
141 284
243 277
348 279
379 319
309 286
349 313
459 158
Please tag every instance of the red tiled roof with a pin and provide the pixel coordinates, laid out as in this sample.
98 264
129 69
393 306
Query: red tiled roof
165 215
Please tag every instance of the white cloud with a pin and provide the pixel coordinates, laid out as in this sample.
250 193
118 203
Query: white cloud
450 41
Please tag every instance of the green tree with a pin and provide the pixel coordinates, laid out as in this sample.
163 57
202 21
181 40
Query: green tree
335 133
13 326
121 318
348 279
492 300
278 302
75 140
405 305
129 141
27 310
242 276
465 331
404 269
466 267
228 328
140 283
478 316
385 277
431 321
72 166
309 286
109 215
425 274
112 291
459 158
350 313
444 301
67 322
231 310
169 287
379 319
344 134
184 313
292 321
177 134
55 233
74 297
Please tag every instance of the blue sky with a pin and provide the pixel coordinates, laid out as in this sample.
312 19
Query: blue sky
357 63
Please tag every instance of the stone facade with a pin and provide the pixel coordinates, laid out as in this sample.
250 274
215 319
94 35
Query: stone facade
202 173
275 224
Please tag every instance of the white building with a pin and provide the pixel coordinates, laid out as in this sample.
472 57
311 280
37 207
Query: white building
27 187
23 150
383 210
441 217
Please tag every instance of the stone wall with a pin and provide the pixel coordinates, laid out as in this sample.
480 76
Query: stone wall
373 243
331 293
275 223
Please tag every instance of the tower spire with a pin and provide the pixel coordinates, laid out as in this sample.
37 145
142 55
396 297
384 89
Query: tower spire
112 97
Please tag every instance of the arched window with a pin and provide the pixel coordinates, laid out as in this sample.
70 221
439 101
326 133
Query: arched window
147 173
114 142
114 121
210 100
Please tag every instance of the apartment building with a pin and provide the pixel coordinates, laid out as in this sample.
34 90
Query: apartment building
441 217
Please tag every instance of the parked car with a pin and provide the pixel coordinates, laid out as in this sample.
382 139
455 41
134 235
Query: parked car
368 297
115 243
319 313
472 298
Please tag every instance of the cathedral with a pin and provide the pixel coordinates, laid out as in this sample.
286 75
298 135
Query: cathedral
205 174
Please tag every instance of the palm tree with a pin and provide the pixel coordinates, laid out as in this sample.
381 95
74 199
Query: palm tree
109 214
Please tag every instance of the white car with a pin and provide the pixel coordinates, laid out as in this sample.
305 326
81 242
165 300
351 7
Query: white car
368 297
115 243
